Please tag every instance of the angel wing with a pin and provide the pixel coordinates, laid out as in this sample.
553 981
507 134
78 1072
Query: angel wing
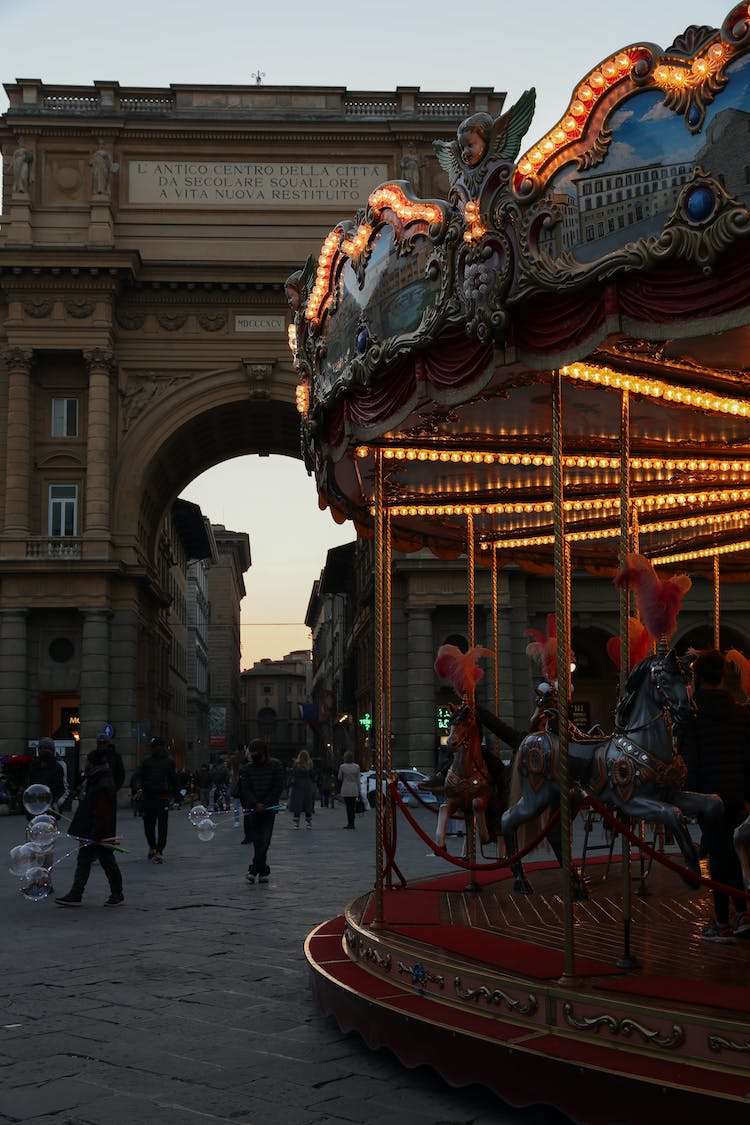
508 130
448 158
307 279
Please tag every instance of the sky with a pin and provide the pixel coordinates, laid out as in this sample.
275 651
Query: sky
439 47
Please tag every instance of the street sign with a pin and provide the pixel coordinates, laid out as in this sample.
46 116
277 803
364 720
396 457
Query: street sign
109 730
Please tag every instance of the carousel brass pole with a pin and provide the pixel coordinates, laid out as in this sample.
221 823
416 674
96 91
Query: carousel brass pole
495 638
387 679
471 826
471 576
717 593
378 701
626 960
563 673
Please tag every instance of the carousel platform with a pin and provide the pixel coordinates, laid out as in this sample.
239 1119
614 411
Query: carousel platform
471 983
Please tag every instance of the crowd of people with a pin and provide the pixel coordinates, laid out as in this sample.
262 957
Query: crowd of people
252 783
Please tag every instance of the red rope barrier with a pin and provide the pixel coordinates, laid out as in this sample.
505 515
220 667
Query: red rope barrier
697 879
498 865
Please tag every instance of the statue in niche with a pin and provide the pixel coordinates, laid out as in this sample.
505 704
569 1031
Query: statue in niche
411 168
21 166
102 168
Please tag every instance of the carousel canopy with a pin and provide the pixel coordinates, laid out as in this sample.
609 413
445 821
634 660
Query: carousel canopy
611 256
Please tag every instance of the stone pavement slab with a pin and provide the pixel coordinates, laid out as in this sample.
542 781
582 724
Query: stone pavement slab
190 1002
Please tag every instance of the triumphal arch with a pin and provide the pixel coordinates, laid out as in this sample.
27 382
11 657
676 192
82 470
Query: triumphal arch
146 238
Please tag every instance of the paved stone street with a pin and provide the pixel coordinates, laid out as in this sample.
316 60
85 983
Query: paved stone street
190 1002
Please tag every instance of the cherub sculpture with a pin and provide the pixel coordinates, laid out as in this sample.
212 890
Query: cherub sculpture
480 141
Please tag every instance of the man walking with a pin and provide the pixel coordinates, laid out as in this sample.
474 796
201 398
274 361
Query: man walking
156 780
260 783
94 826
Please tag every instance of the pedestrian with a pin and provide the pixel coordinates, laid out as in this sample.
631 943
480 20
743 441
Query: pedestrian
46 770
716 747
260 783
220 781
114 760
236 760
349 779
94 824
204 784
325 787
156 786
302 788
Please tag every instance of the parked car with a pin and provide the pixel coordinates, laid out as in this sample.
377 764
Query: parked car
368 783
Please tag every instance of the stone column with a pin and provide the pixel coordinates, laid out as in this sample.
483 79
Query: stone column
14 720
124 714
19 445
99 444
95 662
420 678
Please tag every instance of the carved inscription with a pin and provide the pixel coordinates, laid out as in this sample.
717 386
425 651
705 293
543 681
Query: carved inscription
226 183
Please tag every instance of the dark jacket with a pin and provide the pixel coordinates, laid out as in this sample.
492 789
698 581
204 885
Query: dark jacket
117 766
156 776
716 748
261 782
96 815
46 770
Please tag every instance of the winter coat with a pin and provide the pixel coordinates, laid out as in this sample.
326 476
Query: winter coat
156 776
261 783
96 815
716 747
301 791
349 777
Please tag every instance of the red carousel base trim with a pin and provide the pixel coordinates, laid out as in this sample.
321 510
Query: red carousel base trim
594 1048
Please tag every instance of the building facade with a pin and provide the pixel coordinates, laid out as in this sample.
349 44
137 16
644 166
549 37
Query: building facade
145 238
274 694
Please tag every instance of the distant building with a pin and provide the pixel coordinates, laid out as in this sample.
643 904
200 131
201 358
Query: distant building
226 589
274 694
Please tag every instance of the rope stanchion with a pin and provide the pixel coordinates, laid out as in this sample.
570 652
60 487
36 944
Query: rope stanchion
390 841
696 880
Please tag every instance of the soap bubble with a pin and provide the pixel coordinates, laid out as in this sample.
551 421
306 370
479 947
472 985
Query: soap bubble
42 832
206 829
22 859
197 814
37 799
39 884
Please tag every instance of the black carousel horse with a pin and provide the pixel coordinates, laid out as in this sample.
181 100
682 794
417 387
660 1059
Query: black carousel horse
637 769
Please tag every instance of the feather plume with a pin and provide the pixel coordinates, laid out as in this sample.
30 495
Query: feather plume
742 664
544 649
460 668
640 642
659 599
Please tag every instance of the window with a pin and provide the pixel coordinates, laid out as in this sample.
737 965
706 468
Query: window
63 509
64 417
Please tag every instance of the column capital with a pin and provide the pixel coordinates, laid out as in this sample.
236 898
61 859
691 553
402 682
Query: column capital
19 360
99 359
92 613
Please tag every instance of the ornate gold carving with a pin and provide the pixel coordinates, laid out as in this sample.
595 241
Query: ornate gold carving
625 1027
420 975
599 149
370 953
498 997
718 1043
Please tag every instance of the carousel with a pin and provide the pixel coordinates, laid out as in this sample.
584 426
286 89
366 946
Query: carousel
549 370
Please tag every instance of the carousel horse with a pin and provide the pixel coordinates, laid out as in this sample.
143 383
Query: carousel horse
742 847
468 784
636 769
